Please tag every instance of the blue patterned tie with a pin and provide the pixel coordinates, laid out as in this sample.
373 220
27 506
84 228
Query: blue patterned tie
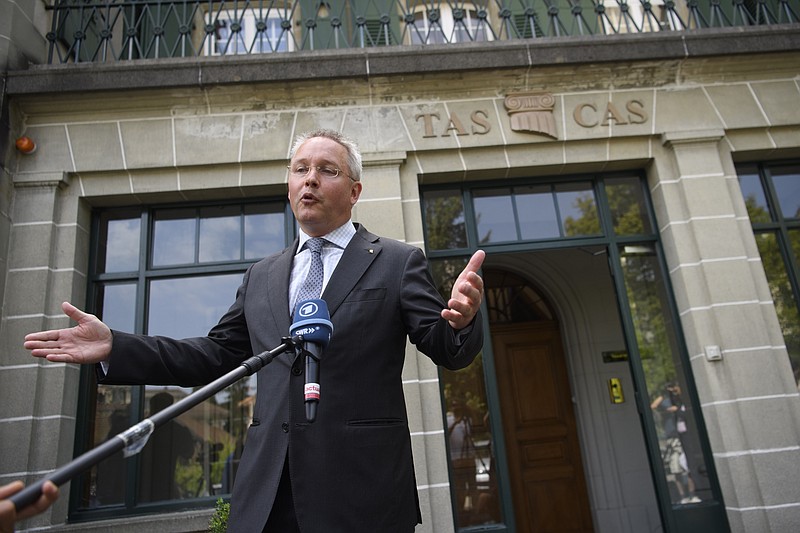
312 286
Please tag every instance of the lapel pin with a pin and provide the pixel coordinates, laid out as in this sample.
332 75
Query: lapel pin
370 250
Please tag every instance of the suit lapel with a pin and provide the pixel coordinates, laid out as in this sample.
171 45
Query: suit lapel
363 249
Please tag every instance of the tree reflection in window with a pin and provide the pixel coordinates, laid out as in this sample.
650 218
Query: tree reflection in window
444 220
771 194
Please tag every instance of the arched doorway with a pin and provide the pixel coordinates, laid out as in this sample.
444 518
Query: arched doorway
544 459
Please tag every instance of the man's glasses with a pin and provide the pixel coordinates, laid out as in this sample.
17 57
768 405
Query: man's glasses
301 171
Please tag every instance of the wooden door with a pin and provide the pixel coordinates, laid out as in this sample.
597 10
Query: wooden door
544 460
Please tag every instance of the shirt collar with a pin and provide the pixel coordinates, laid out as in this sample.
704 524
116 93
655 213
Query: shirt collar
340 236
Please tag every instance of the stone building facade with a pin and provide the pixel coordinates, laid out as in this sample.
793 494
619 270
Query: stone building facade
685 111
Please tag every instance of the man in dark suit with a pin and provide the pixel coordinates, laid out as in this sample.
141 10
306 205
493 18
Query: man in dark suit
352 469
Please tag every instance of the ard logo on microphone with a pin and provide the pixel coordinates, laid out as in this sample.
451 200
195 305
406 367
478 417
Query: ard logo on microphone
308 309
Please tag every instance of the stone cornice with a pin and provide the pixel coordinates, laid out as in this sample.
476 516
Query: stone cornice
403 60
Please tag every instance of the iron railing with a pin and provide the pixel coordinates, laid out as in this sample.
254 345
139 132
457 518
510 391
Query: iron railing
115 30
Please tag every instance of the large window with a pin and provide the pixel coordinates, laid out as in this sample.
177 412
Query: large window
772 196
170 271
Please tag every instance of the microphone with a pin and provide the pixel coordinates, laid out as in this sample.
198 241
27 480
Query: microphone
312 322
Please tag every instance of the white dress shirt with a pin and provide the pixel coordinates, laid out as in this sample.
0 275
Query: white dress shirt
332 251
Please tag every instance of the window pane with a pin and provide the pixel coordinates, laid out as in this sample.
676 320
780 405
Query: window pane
578 209
672 409
786 181
477 27
264 230
753 193
445 272
473 481
537 212
174 237
494 216
424 31
113 415
626 203
198 454
119 243
444 218
274 38
113 408
782 294
220 233
169 466
189 307
118 303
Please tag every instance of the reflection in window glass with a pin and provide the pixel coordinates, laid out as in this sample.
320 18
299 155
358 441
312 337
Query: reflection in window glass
672 409
113 410
119 306
754 198
781 289
445 272
578 209
786 181
174 237
494 216
537 212
473 481
122 244
264 230
777 231
220 233
626 203
444 220
113 415
168 464
189 307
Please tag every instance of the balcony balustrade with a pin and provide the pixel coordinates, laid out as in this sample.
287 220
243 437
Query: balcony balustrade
118 30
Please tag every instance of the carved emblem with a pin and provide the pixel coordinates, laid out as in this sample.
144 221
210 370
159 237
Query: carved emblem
533 112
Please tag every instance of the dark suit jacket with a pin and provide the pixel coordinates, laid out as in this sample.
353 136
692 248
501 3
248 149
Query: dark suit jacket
352 469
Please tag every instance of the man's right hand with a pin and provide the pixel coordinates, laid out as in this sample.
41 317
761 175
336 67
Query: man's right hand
87 343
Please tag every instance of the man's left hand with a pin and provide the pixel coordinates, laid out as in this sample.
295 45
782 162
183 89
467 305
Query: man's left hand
467 294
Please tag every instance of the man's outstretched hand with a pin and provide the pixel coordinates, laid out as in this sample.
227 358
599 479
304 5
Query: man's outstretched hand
88 342
467 294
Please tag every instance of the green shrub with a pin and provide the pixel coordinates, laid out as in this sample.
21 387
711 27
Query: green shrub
219 520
